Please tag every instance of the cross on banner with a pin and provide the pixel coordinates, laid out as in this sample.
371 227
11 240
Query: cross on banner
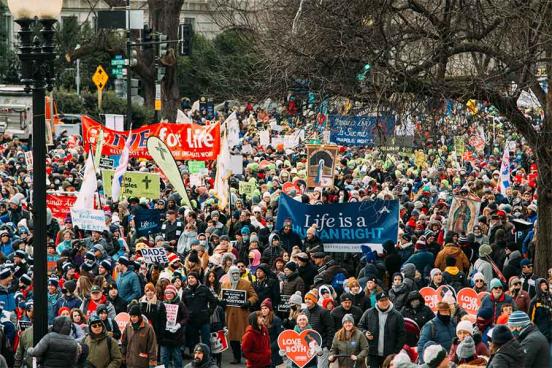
162 151
146 182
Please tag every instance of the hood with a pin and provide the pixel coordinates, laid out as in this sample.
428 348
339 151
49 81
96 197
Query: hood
62 325
272 237
256 257
409 270
388 309
413 295
538 290
452 270
206 353
252 320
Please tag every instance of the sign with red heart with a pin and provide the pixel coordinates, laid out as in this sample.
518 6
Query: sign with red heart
433 296
300 348
470 301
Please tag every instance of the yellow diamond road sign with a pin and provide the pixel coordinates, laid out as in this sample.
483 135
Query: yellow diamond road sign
100 78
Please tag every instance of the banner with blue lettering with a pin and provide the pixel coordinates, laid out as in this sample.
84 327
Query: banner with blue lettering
343 227
147 222
360 130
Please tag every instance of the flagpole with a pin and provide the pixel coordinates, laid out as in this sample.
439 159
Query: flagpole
96 171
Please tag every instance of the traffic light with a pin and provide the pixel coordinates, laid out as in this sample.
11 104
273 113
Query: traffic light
186 34
162 50
147 36
133 59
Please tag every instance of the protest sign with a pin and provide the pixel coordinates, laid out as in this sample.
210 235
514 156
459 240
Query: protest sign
302 347
219 341
283 306
172 313
60 205
147 221
185 141
122 319
23 325
236 164
195 166
154 255
196 180
343 227
360 130
264 138
29 160
470 300
135 184
463 214
88 219
246 188
433 296
290 187
459 145
321 165
234 298
107 163
396 144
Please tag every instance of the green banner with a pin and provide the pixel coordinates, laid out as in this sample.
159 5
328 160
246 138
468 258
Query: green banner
135 184
194 167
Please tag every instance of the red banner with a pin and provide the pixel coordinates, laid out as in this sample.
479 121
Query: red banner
60 205
185 141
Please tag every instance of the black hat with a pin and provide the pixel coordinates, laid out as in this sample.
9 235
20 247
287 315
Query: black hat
101 308
94 319
319 255
87 267
381 295
21 254
67 266
501 335
53 282
106 264
345 297
26 279
90 256
124 261
134 310
292 266
70 285
5 273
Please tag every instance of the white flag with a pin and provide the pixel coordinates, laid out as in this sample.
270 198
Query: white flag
223 172
232 126
120 171
85 199
181 117
505 182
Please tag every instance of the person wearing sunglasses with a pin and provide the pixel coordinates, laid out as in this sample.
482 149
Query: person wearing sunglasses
103 350
496 299
521 297
479 283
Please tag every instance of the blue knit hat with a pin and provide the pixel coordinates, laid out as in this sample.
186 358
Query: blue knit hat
519 319
495 283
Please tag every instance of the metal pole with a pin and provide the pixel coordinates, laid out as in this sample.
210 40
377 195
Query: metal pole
129 80
78 78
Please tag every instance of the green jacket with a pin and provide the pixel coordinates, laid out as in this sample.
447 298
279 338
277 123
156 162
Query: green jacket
358 345
99 354
22 359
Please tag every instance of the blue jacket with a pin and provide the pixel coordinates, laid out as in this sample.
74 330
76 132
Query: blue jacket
52 301
489 302
73 302
437 331
129 287
7 295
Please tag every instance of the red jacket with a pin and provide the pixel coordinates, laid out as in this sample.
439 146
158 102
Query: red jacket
256 347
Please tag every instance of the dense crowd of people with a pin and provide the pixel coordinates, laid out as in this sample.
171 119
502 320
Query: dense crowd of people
366 307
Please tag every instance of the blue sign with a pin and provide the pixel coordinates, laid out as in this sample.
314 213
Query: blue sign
147 222
343 227
360 130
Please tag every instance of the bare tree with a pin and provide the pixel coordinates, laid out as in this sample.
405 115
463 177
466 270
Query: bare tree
461 49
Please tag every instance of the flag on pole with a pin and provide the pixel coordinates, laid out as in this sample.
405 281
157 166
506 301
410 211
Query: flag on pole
121 170
232 127
85 198
223 172
505 182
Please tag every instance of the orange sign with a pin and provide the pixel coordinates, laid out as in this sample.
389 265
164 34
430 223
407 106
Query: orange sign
300 348
470 301
122 320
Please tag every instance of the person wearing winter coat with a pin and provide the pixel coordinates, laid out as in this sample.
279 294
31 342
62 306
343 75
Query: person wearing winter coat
453 276
103 350
409 272
540 309
440 329
451 249
266 286
465 330
138 344
386 341
322 322
255 343
521 297
274 325
89 305
533 342
273 250
292 282
422 258
201 303
307 271
416 310
202 358
346 307
57 349
466 354
350 344
154 310
237 317
172 338
399 291
69 299
359 297
483 265
128 282
22 357
111 327
528 278
496 299
506 350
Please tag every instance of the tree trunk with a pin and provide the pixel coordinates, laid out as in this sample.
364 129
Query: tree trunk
165 18
543 251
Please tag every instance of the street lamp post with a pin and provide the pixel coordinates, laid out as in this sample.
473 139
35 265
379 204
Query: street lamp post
37 55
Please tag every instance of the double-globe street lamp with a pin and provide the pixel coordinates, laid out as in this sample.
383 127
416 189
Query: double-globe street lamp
37 56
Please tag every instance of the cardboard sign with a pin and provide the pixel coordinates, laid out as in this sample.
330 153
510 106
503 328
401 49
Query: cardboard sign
135 184
87 219
246 188
23 325
283 306
433 296
122 319
154 255
172 313
219 341
107 163
300 348
470 300
234 298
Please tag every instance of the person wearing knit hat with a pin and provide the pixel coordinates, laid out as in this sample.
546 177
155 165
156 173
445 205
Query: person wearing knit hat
520 297
172 338
464 330
466 353
328 304
508 352
496 299
142 334
435 356
274 325
478 282
311 296
296 299
347 318
533 342
441 329
436 278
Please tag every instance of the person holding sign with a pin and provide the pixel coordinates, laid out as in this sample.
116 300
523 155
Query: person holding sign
172 339
237 317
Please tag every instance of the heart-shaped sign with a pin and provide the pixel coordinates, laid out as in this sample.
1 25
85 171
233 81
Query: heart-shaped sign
470 301
433 296
300 348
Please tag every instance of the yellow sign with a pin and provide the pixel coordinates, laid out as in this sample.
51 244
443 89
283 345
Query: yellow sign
100 78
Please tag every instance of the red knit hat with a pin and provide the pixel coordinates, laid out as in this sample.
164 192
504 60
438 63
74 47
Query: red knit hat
327 301
171 289
173 258
62 309
267 303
